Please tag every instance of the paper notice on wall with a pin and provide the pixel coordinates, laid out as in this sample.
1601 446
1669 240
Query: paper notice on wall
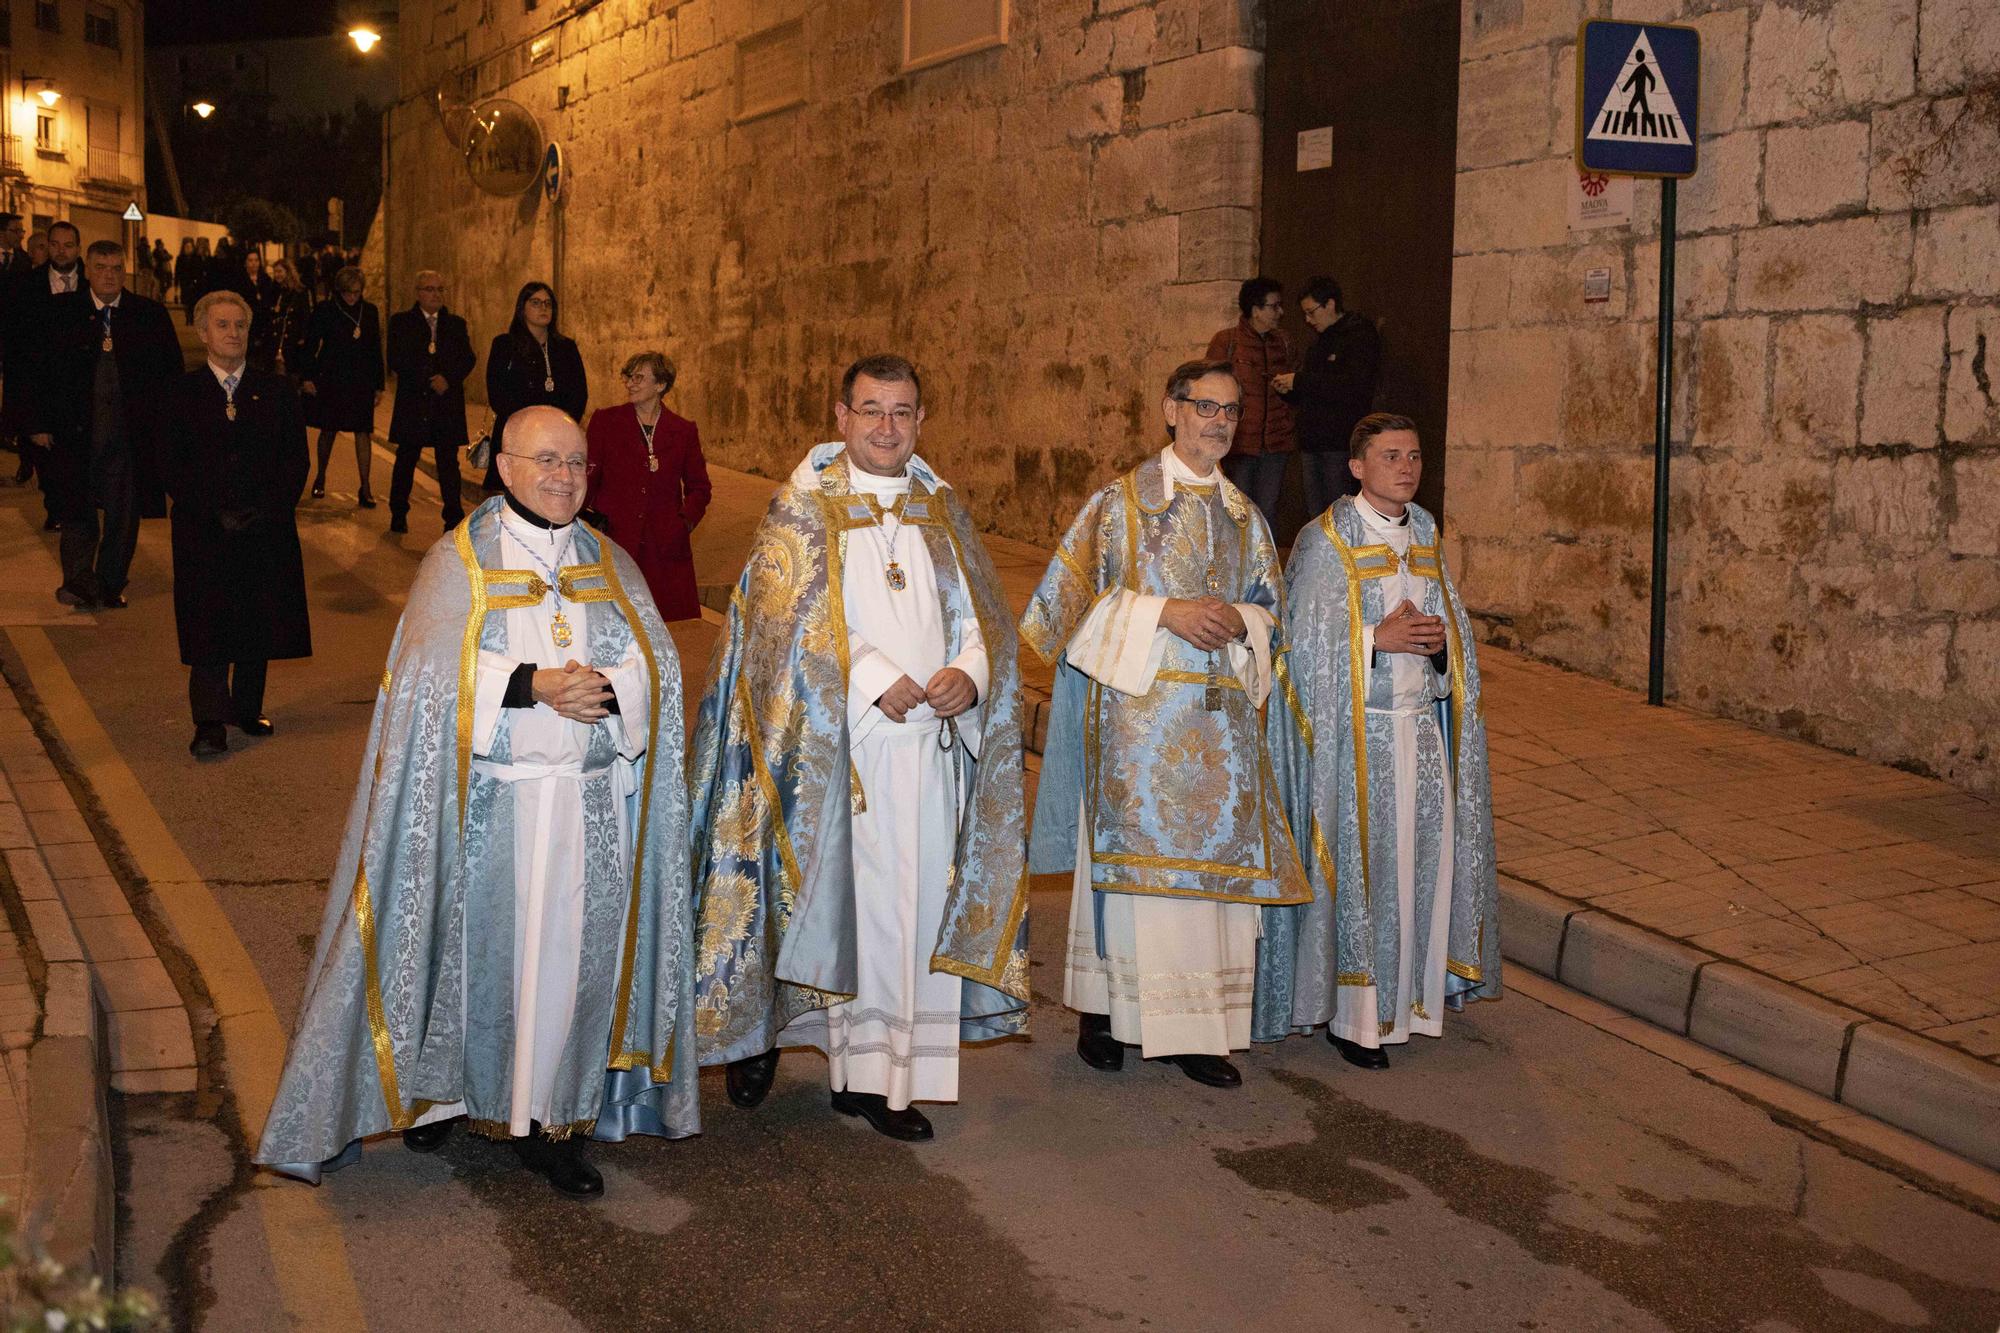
1316 148
1597 200
1596 286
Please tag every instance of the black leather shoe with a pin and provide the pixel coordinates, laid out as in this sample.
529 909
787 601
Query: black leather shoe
1211 1070
114 601
209 741
427 1138
1094 1042
749 1079
255 726
319 489
1362 1057
560 1162
365 500
69 596
908 1125
397 523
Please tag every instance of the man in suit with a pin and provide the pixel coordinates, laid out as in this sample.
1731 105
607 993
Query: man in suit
24 326
430 353
109 354
233 450
13 235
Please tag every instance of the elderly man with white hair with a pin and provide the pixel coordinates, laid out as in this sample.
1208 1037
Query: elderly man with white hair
233 457
508 938
430 354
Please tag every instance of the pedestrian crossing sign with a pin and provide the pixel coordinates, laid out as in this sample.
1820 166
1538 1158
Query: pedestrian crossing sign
1637 98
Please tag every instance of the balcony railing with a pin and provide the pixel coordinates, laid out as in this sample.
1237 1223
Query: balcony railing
111 166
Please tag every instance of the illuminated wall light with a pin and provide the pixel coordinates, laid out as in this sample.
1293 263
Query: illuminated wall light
49 96
364 38
203 109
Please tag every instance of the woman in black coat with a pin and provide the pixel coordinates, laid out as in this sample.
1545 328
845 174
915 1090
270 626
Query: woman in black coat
341 375
532 363
257 287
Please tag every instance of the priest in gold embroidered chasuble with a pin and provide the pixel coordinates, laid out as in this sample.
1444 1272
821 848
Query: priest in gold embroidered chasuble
1156 793
857 781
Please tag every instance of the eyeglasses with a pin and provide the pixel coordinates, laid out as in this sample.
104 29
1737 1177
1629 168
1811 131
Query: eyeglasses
550 463
1208 407
1272 305
540 303
871 417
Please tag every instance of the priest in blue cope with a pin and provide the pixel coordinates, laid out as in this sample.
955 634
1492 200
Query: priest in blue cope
509 935
1380 755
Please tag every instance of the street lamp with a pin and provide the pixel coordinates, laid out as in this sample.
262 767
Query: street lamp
49 96
46 93
364 38
204 109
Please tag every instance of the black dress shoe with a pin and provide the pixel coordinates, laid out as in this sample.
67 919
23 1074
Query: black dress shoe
255 726
1362 1057
397 523
319 489
749 1079
1212 1070
427 1138
112 601
560 1162
908 1125
69 596
51 524
365 500
210 740
1094 1042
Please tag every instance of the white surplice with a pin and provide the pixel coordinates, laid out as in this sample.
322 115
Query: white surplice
1415 687
545 769
1177 973
898 1036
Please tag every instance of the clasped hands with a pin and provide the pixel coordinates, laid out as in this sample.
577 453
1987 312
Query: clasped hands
949 693
1408 630
1209 623
575 691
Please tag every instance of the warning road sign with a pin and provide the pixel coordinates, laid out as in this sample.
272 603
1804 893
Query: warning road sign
1637 111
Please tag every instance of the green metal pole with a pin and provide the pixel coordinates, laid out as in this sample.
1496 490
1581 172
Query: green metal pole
1656 664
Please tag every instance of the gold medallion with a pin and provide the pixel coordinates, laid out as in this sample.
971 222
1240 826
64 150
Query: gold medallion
559 631
897 580
229 410
105 346
549 384
357 333
1213 582
652 463
434 347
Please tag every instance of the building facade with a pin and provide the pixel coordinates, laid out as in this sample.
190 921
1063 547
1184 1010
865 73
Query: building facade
74 141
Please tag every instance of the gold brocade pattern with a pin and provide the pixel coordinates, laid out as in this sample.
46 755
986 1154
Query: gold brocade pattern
1358 667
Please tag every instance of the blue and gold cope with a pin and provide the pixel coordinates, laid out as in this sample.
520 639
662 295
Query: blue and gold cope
775 791
1178 799
409 1003
1335 763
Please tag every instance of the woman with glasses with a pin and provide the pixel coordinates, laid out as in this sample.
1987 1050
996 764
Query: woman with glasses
650 482
341 375
289 312
532 362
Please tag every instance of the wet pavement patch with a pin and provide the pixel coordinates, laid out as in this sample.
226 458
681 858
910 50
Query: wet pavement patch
1708 1264
786 1217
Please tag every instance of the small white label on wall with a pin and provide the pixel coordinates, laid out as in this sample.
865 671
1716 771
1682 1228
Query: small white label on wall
1316 148
1596 286
1598 200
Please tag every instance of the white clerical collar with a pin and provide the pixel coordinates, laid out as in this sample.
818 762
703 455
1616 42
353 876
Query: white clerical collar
102 304
527 525
874 485
222 376
1376 518
1176 470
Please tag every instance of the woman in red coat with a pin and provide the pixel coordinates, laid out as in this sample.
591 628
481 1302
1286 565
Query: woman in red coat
649 481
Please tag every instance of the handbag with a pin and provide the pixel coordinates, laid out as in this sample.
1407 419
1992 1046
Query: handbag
480 455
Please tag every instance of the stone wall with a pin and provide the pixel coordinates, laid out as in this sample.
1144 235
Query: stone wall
1836 487
1046 228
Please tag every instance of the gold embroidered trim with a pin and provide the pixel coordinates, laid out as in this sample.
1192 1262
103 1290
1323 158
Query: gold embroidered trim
857 799
1071 564
1354 979
1198 678
1465 970
468 661
1282 671
1159 891
385 680
371 981
1358 687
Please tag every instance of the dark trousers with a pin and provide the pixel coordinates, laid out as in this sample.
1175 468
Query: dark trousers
1261 477
405 475
1327 479
218 698
97 556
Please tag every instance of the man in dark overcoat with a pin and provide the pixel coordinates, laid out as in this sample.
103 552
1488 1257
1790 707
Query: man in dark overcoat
24 324
430 353
108 355
234 449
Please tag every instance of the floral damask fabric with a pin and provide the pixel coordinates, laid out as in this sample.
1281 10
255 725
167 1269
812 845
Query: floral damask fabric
1334 762
774 791
1177 796
409 1002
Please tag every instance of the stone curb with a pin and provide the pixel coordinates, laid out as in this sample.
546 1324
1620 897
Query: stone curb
1911 1082
70 1202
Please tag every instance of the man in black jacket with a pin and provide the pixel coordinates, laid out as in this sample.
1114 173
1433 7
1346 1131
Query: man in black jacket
430 354
1333 389
108 354
233 449
24 323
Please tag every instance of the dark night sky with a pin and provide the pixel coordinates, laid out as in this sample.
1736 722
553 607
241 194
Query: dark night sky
169 22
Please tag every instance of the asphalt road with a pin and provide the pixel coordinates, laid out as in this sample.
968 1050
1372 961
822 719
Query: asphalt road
1528 1171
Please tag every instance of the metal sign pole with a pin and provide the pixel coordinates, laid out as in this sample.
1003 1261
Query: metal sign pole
1656 663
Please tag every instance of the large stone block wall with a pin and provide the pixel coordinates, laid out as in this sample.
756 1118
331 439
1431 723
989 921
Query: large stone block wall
1045 228
1835 564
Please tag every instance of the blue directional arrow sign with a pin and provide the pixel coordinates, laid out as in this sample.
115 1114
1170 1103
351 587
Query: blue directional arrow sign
1638 107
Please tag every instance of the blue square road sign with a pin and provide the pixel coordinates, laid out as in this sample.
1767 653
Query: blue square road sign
1638 98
